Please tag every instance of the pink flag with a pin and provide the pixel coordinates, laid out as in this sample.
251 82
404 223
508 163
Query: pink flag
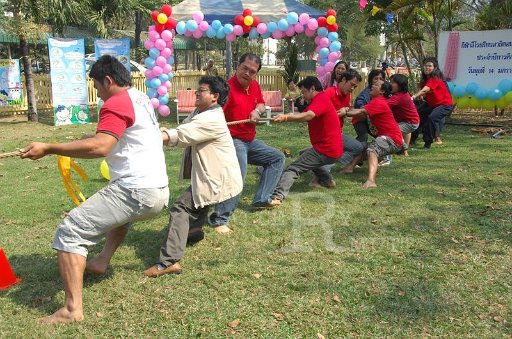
362 4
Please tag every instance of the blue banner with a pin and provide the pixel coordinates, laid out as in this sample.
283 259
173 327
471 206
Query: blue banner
10 83
69 83
119 48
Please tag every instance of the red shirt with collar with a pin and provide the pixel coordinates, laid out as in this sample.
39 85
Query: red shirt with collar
338 99
324 128
381 117
403 108
438 94
239 106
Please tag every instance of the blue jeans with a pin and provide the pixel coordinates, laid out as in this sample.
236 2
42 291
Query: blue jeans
351 148
258 153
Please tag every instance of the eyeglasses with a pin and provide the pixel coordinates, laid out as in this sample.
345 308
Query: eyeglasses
201 90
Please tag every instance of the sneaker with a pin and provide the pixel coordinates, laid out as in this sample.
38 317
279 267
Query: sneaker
427 145
386 161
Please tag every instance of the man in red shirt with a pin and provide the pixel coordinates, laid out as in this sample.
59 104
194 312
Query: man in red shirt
324 134
245 101
388 135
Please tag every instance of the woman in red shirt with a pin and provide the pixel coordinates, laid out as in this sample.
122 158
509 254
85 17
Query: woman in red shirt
438 101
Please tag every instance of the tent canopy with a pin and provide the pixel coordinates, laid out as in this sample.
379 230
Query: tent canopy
226 10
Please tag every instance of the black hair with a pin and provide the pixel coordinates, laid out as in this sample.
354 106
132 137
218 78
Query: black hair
351 74
435 74
289 81
373 73
333 74
108 65
217 86
386 87
402 81
310 81
252 57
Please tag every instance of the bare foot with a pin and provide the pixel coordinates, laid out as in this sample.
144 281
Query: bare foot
315 182
223 229
96 266
348 169
438 141
406 154
62 316
369 184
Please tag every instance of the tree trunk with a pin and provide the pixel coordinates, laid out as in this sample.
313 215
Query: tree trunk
138 31
29 81
402 45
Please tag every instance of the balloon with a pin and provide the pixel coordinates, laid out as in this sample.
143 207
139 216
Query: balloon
248 20
181 27
256 21
333 56
303 18
324 42
154 16
488 104
298 27
163 77
167 10
155 83
149 62
163 99
191 25
153 36
228 29
198 16
471 88
474 102
147 83
105 172
459 91
330 12
166 52
216 24
502 103
161 18
331 19
277 34
508 97
463 102
312 24
197 34
282 25
160 44
329 66
237 29
292 18
210 33
164 110
151 92
167 69
247 12
261 28
451 86
335 46
148 44
220 33
253 34
231 37
266 35
332 36
161 61
505 85
322 22
149 74
271 27
320 70
290 31
155 103
166 35
309 32
322 32
332 28
324 52
494 94
167 84
157 70
481 93
171 23
154 53
161 90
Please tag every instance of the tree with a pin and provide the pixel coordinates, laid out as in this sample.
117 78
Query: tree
291 63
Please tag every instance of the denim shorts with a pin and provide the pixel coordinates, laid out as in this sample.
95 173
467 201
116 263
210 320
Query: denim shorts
406 127
111 207
382 145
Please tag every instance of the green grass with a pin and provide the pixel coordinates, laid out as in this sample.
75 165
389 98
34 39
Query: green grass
427 253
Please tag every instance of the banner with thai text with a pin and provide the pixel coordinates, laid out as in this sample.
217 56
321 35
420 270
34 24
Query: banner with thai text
10 82
119 48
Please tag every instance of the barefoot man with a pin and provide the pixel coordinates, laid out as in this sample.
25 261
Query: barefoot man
128 136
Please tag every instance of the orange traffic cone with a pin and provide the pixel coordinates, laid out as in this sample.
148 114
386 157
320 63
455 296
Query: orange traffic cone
7 277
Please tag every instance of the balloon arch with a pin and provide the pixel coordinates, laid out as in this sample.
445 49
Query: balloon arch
160 42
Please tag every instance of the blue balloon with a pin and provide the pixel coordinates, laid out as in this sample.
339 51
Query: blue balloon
253 33
220 33
216 24
495 94
505 86
228 29
210 33
163 99
170 60
170 75
472 87
282 25
322 32
266 35
191 26
332 36
271 27
459 91
147 83
324 52
292 18
481 93
154 53
451 86
181 27
163 77
335 46
152 93
149 62
155 83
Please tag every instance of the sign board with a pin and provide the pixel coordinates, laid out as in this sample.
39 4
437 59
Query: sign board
10 82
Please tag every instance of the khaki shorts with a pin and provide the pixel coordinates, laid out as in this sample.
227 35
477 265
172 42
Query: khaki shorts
111 207
382 145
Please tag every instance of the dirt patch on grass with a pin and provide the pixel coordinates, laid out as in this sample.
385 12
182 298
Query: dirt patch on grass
479 117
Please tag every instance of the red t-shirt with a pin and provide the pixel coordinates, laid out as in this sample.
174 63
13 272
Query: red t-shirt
381 117
117 114
438 94
338 99
324 128
403 108
239 106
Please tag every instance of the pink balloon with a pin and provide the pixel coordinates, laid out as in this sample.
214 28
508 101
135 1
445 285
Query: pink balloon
333 56
164 110
320 70
161 90
231 37
148 44
303 18
153 36
155 102
166 52
157 70
317 40
299 28
309 32
290 31
203 26
160 44
238 30
261 28
149 74
197 33
318 48
324 42
312 24
166 35
161 61
329 66
198 16
167 68
167 84
188 33
169 44
151 28
277 34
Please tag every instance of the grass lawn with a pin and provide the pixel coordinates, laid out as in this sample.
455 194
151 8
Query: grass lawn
428 253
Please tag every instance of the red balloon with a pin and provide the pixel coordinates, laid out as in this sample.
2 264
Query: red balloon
333 27
256 21
239 20
247 12
154 14
171 23
159 27
167 10
330 12
322 21
246 29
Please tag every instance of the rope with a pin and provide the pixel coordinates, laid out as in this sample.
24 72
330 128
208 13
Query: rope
10 154
237 122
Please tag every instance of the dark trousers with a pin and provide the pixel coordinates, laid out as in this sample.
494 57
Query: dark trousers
431 122
184 216
362 131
